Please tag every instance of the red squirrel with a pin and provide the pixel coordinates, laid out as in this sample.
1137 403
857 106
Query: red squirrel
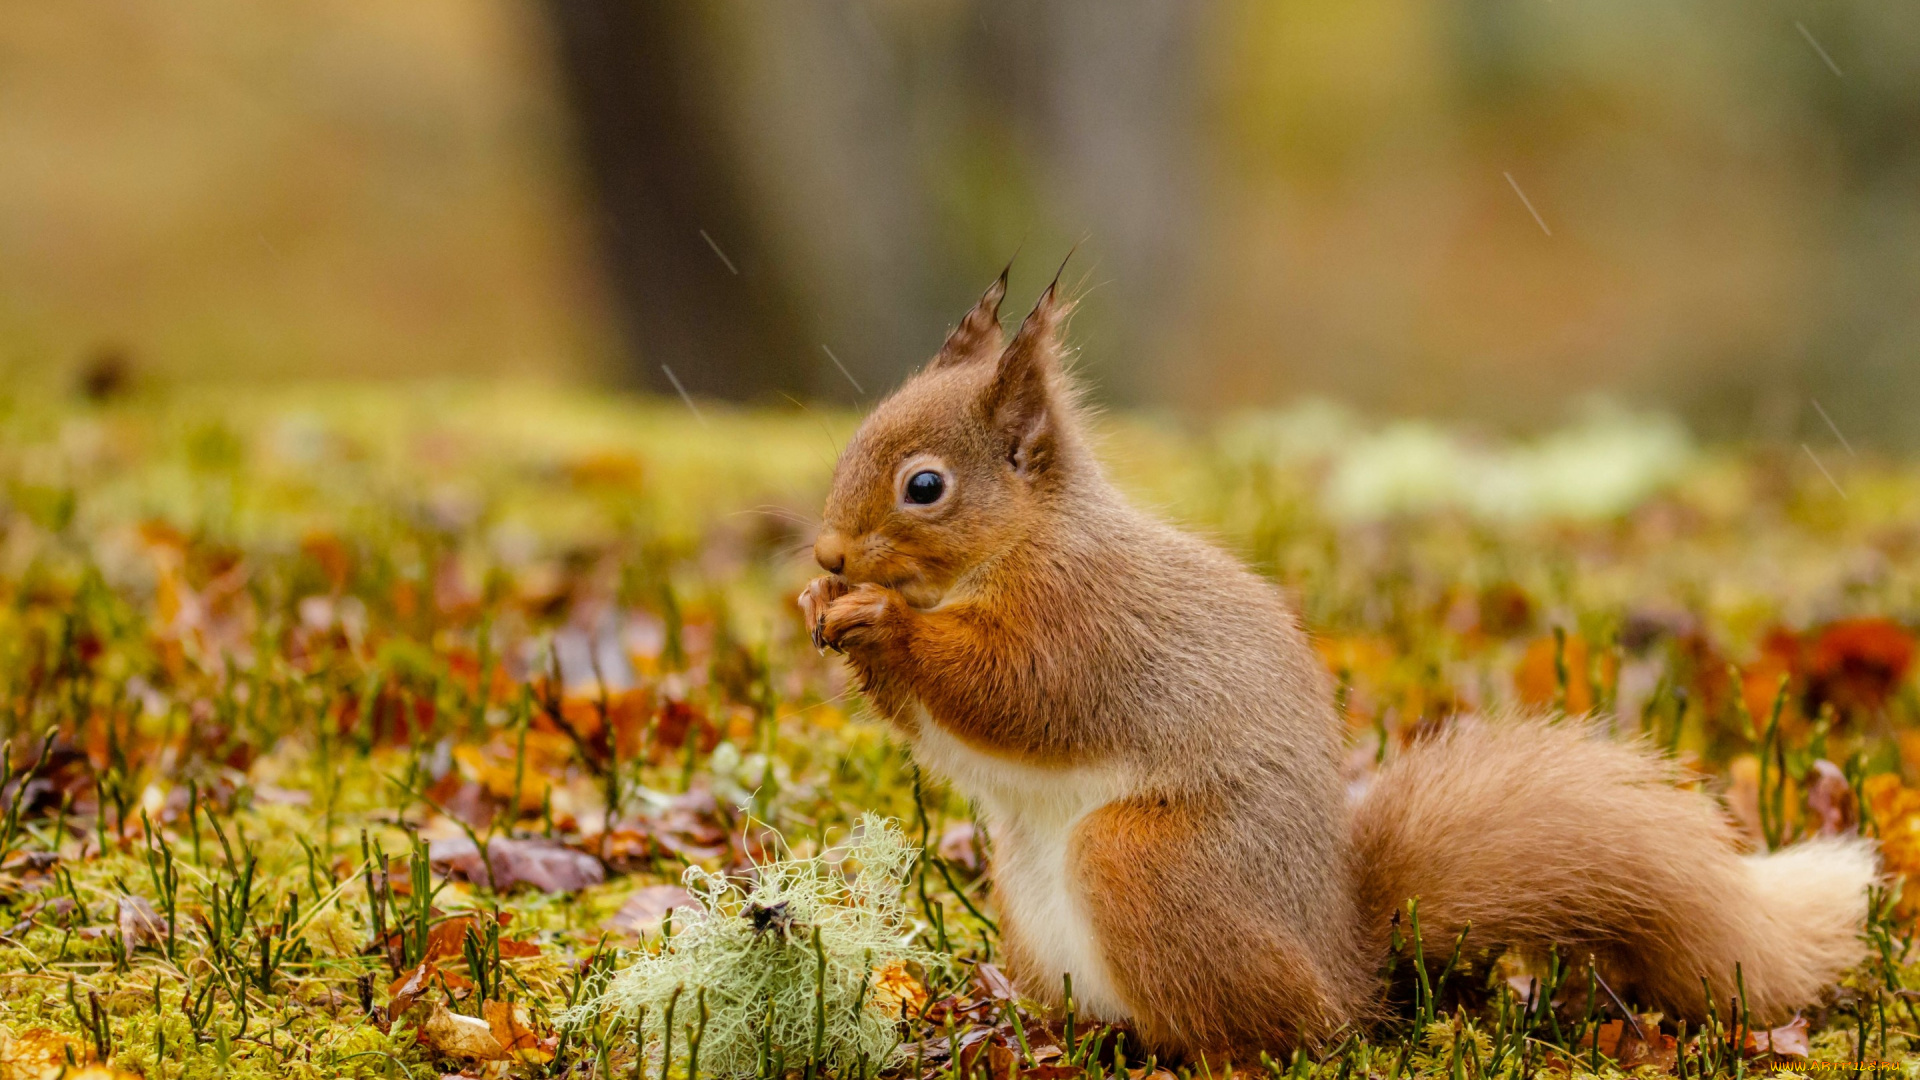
1153 745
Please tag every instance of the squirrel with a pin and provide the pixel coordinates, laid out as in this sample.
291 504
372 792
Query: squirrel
1153 745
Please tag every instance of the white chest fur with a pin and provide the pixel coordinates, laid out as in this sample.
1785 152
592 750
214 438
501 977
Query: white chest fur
1031 813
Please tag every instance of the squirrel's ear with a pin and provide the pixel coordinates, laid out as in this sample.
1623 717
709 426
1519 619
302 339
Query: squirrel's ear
1021 401
978 336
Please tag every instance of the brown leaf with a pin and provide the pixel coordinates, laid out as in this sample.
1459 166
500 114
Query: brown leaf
1830 800
413 985
993 982
974 1044
512 1029
464 800
677 721
469 1037
1001 1059
960 846
544 864
1858 663
408 989
646 908
1787 1040
1633 1048
140 924
448 938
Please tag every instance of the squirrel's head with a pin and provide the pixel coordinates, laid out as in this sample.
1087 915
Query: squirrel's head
959 462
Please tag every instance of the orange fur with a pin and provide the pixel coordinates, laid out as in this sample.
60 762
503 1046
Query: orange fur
1153 745
1589 845
1203 970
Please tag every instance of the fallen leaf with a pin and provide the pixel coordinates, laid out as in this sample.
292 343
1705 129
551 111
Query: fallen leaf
1896 809
1632 1048
448 938
1787 1040
897 992
646 908
688 826
1857 664
1830 800
960 846
454 1035
37 1052
140 924
678 720
547 865
408 989
512 1029
499 767
1537 680
993 982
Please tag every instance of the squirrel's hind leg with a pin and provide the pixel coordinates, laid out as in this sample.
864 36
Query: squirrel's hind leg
1205 968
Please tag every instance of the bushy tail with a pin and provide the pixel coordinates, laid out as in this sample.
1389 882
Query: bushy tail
1549 834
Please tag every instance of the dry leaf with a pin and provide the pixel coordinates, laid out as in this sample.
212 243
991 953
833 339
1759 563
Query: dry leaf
140 924
993 982
546 865
1537 680
513 1030
1830 800
36 1053
646 908
454 1035
897 992
1632 1048
1896 809
448 938
1787 1040
959 846
411 986
1858 663
407 989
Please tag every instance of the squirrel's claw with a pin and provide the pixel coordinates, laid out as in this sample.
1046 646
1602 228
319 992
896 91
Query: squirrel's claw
819 594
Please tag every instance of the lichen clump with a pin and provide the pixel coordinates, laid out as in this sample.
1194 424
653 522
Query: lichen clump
795 961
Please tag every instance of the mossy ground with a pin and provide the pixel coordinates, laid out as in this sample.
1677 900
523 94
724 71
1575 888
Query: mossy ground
271 634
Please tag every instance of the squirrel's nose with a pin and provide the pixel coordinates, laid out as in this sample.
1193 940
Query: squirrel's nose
830 551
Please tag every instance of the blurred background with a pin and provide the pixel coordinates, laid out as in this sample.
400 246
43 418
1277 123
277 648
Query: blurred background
1490 212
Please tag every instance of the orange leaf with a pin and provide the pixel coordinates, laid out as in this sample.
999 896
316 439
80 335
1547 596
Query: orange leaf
512 1029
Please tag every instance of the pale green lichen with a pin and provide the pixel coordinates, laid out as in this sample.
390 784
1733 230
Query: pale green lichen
798 982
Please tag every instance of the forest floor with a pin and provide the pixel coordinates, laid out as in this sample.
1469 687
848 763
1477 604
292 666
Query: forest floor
377 732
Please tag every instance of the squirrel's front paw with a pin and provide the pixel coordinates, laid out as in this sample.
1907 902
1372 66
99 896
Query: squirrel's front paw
860 617
820 594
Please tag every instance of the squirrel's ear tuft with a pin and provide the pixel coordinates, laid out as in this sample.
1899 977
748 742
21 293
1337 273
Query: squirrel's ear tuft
978 336
1023 402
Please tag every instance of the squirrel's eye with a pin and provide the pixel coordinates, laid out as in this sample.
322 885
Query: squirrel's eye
926 487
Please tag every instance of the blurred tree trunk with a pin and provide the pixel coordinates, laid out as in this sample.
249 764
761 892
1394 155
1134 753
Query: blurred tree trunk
686 256
869 168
